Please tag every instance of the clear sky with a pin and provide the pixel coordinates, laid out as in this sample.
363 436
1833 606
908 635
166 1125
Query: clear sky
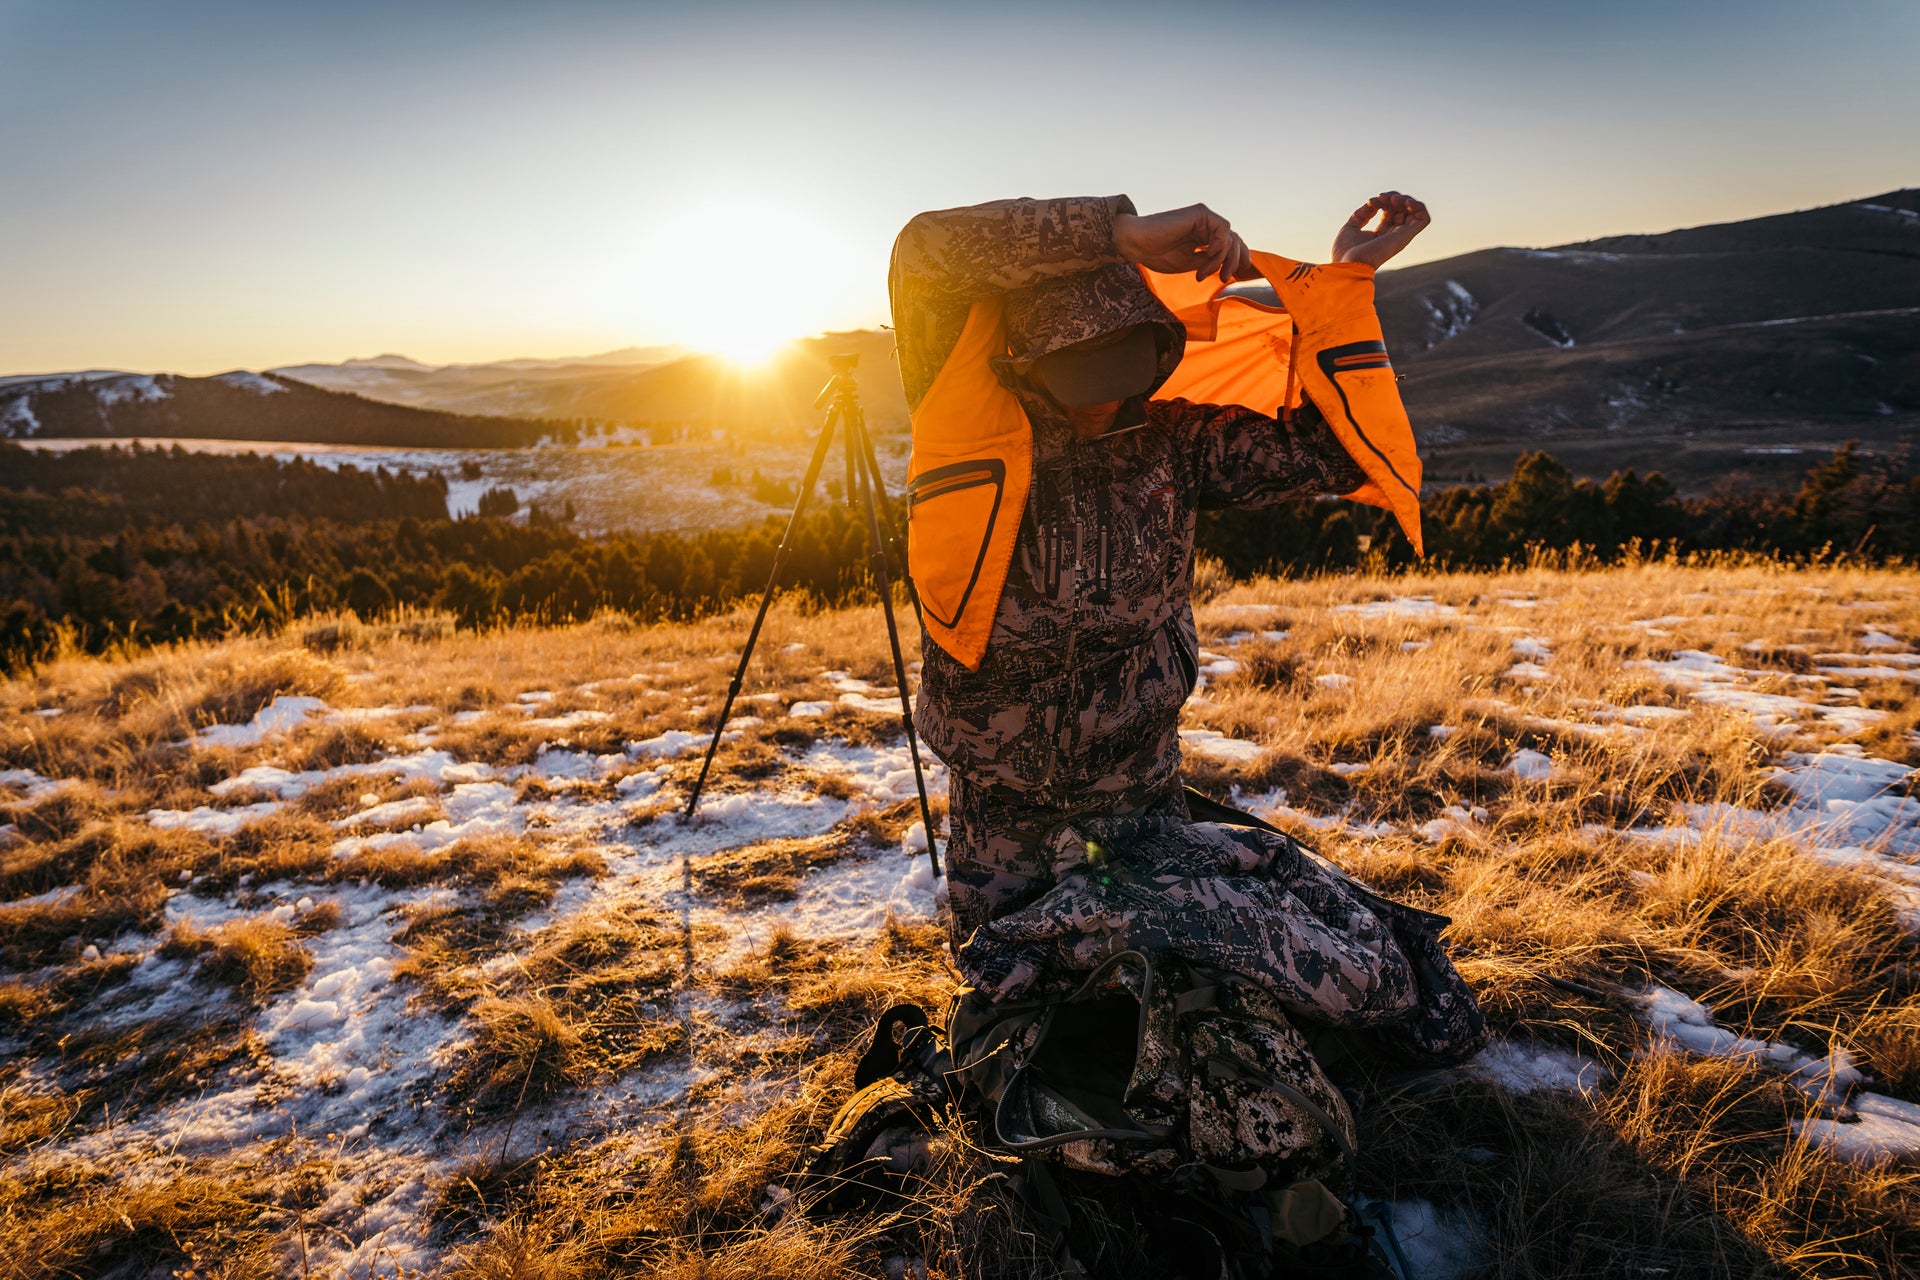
198 185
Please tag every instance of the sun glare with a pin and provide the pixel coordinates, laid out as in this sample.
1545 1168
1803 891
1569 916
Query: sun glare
741 279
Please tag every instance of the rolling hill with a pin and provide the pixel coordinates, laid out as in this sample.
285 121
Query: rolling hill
641 384
236 406
1700 352
1736 346
541 388
1694 349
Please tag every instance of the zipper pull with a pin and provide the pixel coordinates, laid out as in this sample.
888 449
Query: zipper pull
1103 595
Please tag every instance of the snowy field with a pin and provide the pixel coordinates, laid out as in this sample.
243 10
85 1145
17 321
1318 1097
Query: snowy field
381 944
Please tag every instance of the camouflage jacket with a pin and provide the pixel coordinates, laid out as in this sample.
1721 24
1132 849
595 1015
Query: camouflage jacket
1093 648
1241 901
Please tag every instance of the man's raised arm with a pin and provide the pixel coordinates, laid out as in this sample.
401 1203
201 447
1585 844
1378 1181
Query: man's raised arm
943 261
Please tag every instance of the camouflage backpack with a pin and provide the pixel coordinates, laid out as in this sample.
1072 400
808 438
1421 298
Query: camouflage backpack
1153 1067
1162 1013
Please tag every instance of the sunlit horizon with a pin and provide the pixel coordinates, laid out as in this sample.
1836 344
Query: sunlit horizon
207 186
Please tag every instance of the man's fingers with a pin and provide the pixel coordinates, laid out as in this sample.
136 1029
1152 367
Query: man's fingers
1230 250
1238 260
1244 269
1209 259
1217 250
1207 227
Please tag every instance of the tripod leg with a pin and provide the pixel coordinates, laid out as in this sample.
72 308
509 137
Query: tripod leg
773 577
869 481
888 528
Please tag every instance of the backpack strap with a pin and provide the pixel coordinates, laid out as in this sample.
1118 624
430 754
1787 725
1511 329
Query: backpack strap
1037 1190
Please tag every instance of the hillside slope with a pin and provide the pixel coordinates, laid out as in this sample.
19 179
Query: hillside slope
1697 351
1781 332
780 393
1694 351
534 388
659 384
236 406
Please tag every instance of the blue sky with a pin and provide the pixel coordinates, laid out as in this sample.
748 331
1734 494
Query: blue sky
200 186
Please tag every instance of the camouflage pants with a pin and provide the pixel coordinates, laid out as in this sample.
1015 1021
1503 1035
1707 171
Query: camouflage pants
997 859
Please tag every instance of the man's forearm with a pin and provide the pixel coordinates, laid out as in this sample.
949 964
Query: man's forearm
944 261
1007 244
1247 459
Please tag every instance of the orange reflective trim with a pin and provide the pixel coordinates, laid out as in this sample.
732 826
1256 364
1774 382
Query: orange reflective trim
1341 359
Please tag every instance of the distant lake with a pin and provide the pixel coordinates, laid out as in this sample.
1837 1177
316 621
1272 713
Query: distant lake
656 488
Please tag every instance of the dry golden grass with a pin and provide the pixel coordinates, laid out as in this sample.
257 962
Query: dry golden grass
1674 1166
258 957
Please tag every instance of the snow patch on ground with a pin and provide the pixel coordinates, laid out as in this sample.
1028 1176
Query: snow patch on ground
1400 607
887 706
882 774
1847 810
1532 648
36 787
394 813
1530 766
1437 1243
1867 1127
846 900
283 714
473 809
1272 805
670 745
438 767
1710 679
1218 746
51 898
1527 1067
213 822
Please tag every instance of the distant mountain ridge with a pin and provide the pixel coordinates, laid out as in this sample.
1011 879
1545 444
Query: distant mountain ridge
540 387
1701 350
635 384
240 405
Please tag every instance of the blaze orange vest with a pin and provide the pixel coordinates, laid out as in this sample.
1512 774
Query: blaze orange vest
972 461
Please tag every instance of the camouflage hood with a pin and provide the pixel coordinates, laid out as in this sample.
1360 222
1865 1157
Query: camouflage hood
1059 312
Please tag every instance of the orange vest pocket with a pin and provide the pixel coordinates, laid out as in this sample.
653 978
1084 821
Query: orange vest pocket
955 507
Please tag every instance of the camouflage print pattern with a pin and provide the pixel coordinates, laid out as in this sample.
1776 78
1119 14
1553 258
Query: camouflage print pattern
1235 1119
1060 312
1007 862
1230 899
1075 707
943 261
1325 949
1446 1026
1202 1078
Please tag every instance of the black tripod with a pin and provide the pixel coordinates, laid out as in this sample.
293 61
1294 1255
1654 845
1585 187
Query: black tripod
842 401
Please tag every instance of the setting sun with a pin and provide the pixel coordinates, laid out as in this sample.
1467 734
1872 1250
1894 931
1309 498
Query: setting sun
740 279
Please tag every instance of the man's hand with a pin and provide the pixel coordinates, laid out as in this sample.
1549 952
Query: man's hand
1192 239
1401 219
